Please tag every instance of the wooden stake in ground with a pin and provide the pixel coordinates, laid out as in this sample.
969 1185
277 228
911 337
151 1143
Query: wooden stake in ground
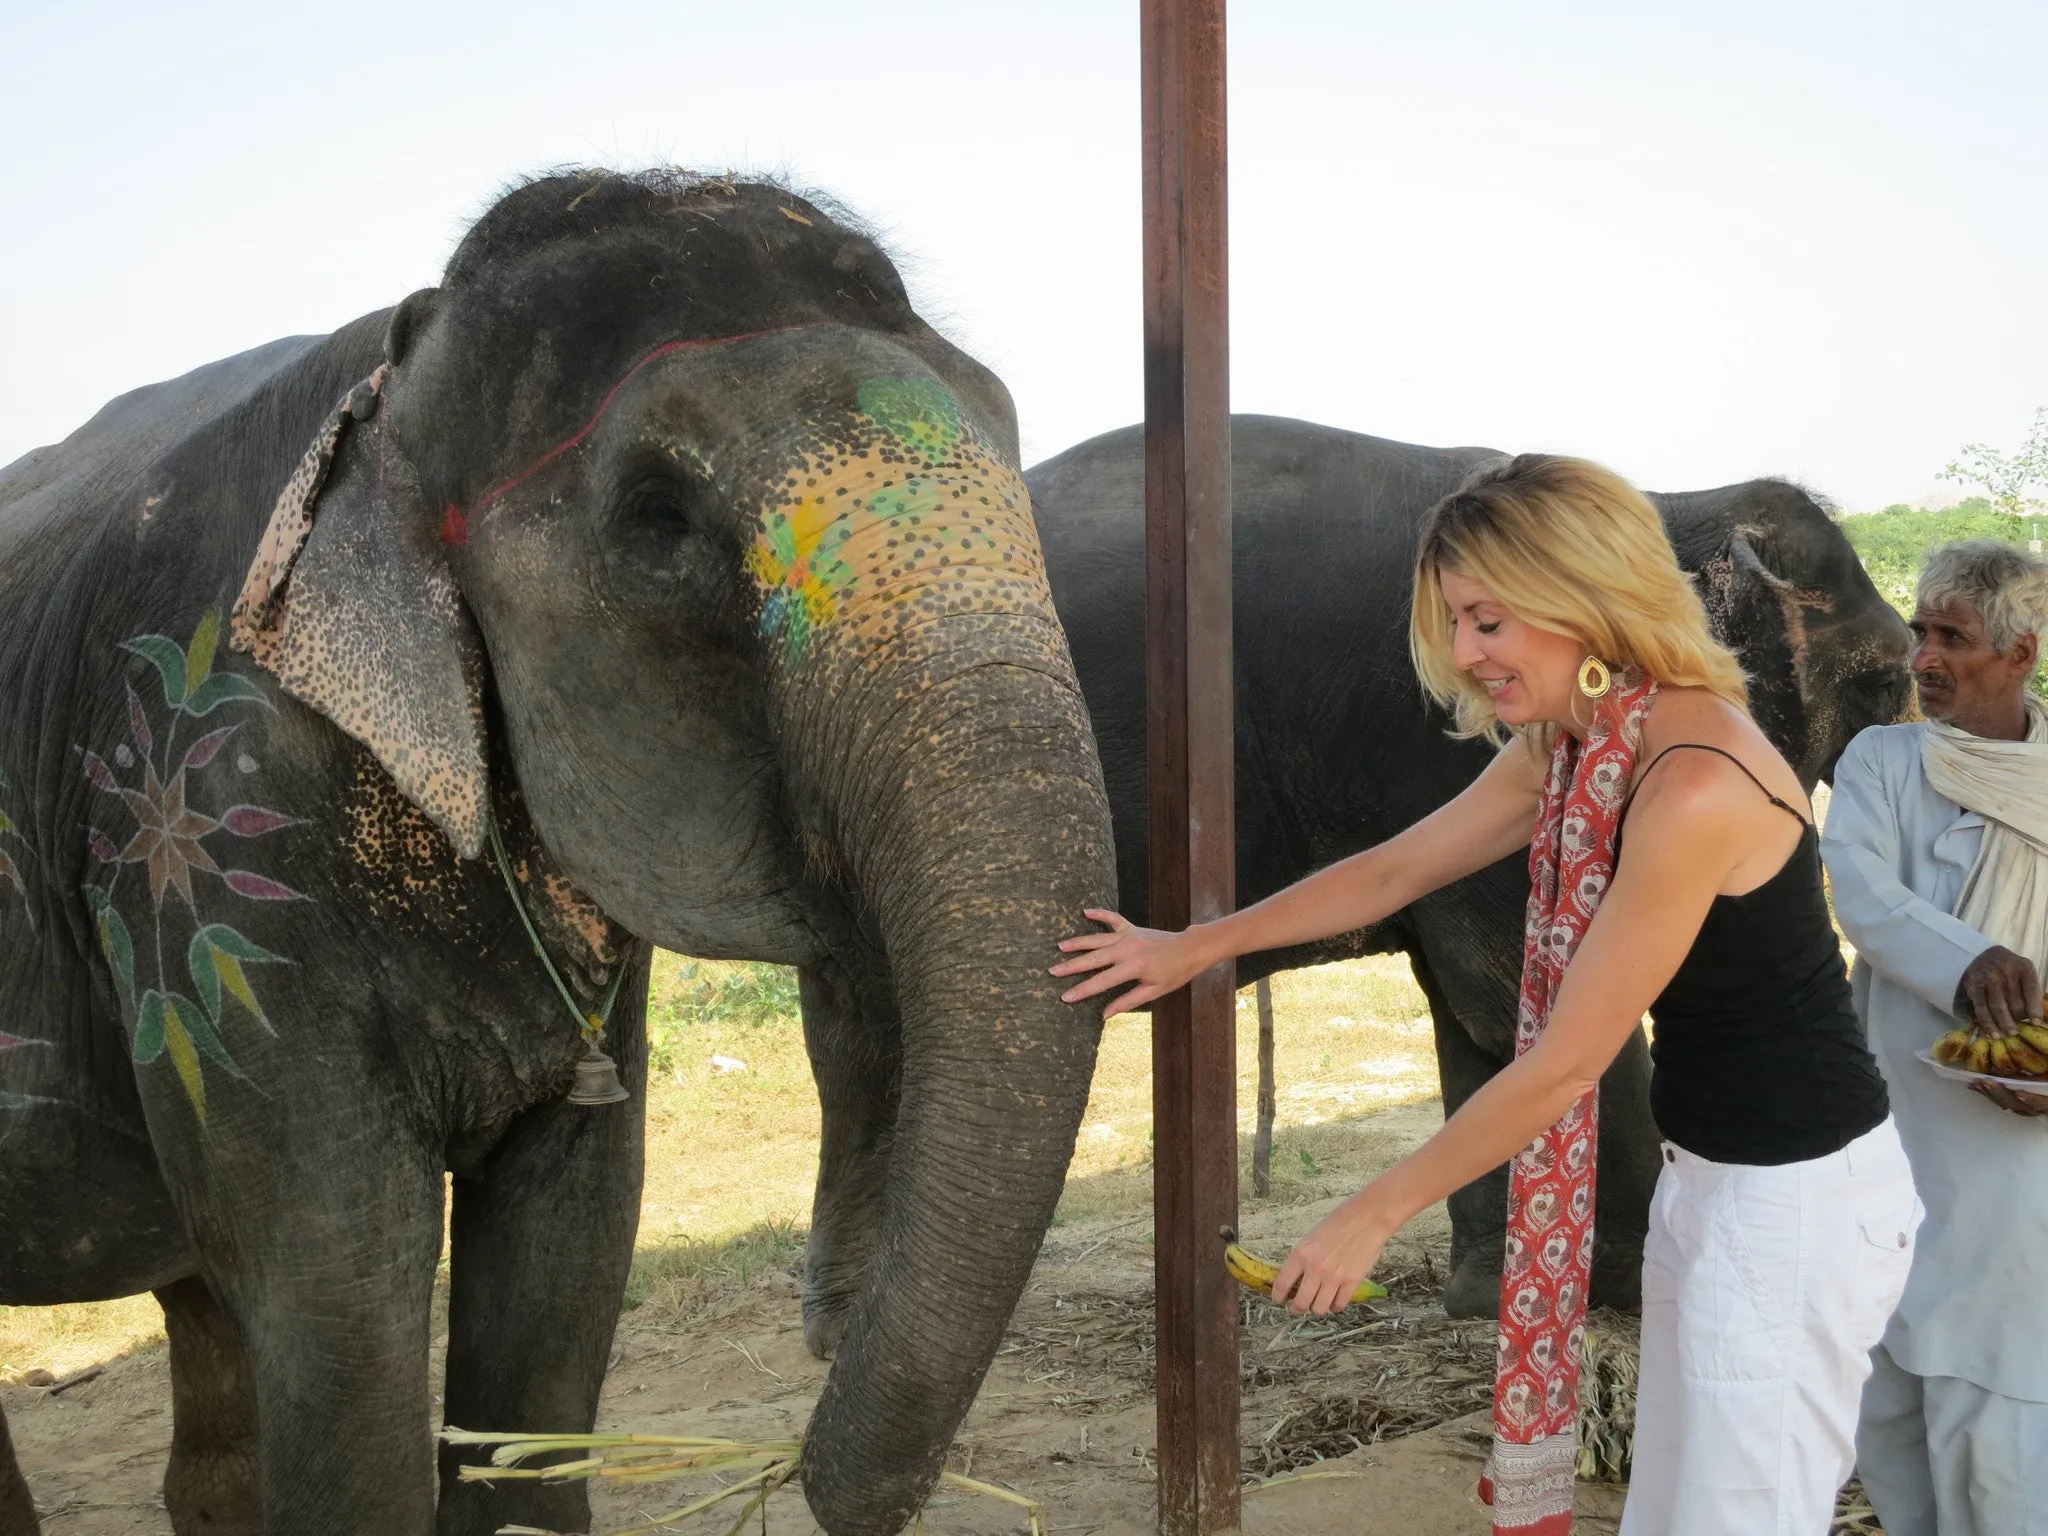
1190 712
1262 1138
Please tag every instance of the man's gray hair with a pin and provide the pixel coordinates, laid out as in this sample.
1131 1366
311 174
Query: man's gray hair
2007 586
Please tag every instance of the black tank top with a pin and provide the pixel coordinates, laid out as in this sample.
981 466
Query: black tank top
1758 1056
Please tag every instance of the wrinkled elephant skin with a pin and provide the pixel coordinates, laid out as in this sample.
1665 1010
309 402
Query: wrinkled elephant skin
1337 750
666 537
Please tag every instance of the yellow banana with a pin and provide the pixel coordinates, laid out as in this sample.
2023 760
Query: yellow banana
2027 1060
2035 1035
2001 1058
1256 1274
1979 1059
1951 1047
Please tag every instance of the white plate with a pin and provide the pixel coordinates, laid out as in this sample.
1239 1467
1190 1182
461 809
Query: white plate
2033 1085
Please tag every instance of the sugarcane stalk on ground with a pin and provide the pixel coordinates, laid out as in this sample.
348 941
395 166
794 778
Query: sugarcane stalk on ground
631 1458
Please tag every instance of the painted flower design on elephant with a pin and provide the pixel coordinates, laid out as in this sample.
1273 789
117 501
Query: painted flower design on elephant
169 842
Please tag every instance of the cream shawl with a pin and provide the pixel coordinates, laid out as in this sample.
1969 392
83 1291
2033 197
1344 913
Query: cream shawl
2005 897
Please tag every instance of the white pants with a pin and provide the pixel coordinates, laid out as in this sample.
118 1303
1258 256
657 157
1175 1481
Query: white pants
1942 1455
1764 1290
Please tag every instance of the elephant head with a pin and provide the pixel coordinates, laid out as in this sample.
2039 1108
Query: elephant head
669 510
1825 654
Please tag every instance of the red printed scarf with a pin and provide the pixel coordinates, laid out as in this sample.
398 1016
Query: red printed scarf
1528 1479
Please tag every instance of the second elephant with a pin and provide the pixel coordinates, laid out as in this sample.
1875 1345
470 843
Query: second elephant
1337 748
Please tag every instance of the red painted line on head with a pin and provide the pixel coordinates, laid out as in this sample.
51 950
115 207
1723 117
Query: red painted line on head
456 522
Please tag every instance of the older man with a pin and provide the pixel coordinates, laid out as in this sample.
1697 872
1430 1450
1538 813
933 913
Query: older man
1937 849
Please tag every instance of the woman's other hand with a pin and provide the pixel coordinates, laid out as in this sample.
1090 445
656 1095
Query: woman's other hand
1323 1272
1157 961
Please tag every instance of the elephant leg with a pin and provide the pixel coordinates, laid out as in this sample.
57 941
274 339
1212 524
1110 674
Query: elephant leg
211 1484
17 1508
1479 1210
323 1253
541 1243
1627 1178
855 1046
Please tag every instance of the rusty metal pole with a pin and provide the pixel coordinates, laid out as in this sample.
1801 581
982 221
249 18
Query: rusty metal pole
1189 718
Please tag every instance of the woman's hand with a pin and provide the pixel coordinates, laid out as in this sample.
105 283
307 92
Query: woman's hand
1159 962
1323 1272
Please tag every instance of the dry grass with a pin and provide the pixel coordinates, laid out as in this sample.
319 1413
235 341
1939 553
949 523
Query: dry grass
1348 1039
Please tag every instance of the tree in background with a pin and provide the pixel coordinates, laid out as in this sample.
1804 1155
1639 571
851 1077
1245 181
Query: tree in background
2008 477
1892 543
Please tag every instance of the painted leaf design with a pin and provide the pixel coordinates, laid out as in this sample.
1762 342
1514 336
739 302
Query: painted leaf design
11 875
23 1100
199 655
185 1057
168 657
101 775
138 725
102 847
207 747
202 1033
6 824
254 821
149 1028
215 958
120 952
244 882
219 689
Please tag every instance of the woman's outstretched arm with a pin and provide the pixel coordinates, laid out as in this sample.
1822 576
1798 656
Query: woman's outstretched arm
1682 843
1492 818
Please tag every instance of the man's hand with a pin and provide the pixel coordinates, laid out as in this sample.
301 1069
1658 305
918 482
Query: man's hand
2031 1105
2000 991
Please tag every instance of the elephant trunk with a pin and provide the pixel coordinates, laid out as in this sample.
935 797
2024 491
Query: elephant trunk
969 806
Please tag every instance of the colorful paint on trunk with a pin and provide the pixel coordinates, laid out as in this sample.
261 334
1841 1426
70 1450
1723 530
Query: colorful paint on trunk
168 840
907 516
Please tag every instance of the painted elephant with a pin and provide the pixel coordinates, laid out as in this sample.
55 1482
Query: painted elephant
665 549
1336 748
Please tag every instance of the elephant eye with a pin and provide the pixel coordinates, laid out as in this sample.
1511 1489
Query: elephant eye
658 506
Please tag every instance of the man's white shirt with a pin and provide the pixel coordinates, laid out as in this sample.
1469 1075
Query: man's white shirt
1897 853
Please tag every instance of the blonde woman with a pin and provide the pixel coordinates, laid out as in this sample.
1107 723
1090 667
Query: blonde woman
1550 613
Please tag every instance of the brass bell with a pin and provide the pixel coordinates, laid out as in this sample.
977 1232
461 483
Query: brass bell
597 1079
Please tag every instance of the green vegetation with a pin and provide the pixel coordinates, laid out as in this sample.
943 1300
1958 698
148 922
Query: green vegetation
1892 543
695 994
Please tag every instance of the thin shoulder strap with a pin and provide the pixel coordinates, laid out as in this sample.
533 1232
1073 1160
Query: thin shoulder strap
1701 746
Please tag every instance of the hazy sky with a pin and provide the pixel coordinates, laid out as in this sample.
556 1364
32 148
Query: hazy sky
1699 242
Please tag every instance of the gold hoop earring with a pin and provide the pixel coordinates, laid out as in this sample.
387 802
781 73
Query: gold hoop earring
1594 678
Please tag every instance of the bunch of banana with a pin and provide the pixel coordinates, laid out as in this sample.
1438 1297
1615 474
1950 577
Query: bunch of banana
1254 1273
2024 1054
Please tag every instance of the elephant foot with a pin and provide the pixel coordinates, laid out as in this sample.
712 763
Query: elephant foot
213 1493
210 1481
1473 1289
17 1507
826 1319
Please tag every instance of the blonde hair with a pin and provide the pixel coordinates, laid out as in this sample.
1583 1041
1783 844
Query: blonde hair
1571 547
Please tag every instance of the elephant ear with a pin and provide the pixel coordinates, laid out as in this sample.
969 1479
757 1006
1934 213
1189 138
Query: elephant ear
1761 617
350 604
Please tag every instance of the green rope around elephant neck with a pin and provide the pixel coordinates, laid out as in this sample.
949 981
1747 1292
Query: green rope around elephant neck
591 1024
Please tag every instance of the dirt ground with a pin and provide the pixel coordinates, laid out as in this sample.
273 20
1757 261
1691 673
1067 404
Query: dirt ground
1065 1415
1383 1408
